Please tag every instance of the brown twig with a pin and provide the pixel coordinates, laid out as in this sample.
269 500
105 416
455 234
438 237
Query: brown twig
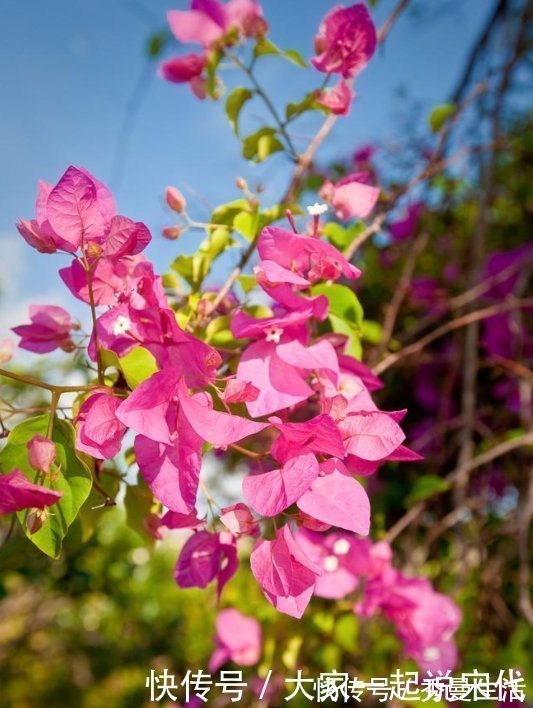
457 323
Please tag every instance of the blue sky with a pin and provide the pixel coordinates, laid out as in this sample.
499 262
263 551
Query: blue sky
70 67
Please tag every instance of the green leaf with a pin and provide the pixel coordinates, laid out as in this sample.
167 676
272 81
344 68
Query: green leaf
308 103
193 269
226 213
372 331
353 347
259 145
138 502
247 223
218 332
234 104
342 237
343 302
439 115
247 282
70 476
265 46
213 60
426 487
93 507
346 631
137 366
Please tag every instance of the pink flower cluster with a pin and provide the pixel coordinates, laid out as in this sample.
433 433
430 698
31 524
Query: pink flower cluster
213 25
425 620
326 427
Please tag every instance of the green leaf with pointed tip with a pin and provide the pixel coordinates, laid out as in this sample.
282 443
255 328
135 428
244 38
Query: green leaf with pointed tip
234 104
439 115
372 331
70 476
247 282
225 213
218 332
247 223
193 269
341 326
259 145
94 506
137 366
308 103
342 237
265 46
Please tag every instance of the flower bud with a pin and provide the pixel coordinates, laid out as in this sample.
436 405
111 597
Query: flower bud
171 232
241 184
35 519
175 199
41 453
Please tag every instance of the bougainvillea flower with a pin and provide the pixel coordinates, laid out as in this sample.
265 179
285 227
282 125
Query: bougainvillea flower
205 23
125 237
302 254
371 435
100 432
239 392
280 385
79 209
405 226
238 519
204 557
286 575
272 492
338 500
350 196
219 428
341 557
319 434
175 520
319 357
6 349
338 99
17 493
247 17
238 639
208 21
346 41
181 70
49 329
129 279
172 471
41 453
271 328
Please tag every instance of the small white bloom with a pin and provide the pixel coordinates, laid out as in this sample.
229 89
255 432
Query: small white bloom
431 654
317 209
331 563
341 547
122 325
273 334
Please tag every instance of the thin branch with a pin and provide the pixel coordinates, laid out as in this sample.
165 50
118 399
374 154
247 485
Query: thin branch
451 326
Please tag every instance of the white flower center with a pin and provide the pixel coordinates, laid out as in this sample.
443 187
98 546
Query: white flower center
341 547
273 334
331 563
431 654
317 209
122 325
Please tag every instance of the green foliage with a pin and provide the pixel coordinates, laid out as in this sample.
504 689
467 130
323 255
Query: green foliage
193 269
234 104
265 46
261 144
69 476
345 314
341 237
137 366
439 115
